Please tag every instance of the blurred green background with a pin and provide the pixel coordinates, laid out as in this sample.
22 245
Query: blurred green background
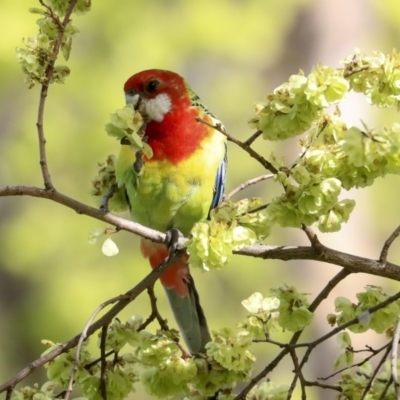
232 53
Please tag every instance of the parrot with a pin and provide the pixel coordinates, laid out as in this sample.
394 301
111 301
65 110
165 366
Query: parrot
176 187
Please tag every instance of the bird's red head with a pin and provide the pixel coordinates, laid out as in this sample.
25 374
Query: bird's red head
159 92
166 102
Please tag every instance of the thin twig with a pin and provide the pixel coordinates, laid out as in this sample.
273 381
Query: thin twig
82 338
393 359
324 293
286 347
388 243
313 238
103 363
154 310
257 209
266 164
9 393
43 95
368 349
323 385
313 306
298 374
353 321
246 184
94 362
371 310
348 73
147 322
106 198
155 314
385 389
53 16
359 364
275 342
321 129
252 138
376 370
309 345
270 367
341 275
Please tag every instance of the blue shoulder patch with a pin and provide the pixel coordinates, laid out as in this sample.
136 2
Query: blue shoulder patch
220 178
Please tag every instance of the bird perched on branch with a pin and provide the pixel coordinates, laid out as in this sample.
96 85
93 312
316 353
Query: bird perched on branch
178 185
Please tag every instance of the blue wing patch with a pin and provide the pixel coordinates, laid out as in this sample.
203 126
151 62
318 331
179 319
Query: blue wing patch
219 187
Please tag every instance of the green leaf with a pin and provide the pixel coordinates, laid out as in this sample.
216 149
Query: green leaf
115 131
36 10
343 339
94 234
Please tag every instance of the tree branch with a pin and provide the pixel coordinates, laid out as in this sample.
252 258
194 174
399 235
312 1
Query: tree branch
313 306
155 314
353 321
125 299
81 208
358 364
82 338
103 363
252 153
376 370
388 243
316 251
246 184
44 90
310 347
252 138
394 359
353 263
323 294
323 386
385 389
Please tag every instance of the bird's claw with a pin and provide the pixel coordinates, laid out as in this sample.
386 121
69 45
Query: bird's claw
138 165
172 237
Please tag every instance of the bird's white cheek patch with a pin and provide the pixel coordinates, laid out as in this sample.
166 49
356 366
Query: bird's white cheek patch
156 108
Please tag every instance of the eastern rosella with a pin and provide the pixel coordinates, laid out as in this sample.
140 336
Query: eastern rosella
178 185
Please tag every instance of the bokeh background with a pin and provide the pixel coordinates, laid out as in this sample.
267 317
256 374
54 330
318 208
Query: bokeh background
232 53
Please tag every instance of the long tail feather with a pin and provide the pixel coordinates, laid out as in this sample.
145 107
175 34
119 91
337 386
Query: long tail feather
183 297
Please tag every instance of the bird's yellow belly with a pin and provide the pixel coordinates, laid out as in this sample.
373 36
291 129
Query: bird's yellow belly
167 195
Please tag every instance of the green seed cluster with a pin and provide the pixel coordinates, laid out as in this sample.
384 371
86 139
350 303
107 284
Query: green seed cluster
39 53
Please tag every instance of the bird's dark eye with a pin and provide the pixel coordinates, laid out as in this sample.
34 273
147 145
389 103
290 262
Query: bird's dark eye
152 85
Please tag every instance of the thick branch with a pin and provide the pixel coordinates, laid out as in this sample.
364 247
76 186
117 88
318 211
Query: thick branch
353 263
81 208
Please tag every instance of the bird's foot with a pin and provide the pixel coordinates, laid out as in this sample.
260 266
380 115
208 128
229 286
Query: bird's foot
172 237
138 165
